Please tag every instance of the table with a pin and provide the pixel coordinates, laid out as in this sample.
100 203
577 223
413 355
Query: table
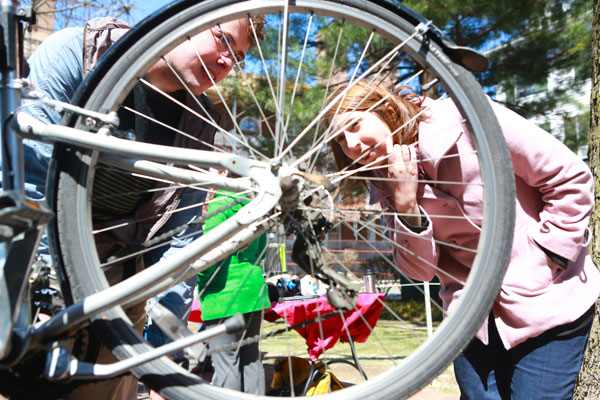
369 306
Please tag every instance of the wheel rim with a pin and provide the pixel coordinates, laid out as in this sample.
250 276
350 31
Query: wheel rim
497 189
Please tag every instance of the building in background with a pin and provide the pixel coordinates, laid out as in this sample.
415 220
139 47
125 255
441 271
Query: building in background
569 121
43 28
53 15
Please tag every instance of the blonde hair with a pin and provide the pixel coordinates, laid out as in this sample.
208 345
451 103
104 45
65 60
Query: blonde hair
401 112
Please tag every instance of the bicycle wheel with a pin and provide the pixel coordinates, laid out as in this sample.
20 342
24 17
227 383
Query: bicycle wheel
326 44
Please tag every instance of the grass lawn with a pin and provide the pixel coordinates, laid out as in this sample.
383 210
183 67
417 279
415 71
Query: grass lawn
387 345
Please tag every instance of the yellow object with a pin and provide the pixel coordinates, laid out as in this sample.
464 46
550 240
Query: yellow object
323 380
282 258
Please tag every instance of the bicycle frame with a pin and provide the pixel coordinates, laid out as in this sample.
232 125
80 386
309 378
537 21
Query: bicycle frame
204 249
294 201
233 235
22 221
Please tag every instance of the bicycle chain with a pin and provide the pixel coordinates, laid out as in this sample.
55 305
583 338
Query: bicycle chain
258 338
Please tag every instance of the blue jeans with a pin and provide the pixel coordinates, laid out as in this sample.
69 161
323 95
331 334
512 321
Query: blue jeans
544 367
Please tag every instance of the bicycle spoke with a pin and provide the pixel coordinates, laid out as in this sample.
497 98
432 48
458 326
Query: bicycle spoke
291 107
382 60
279 125
280 122
326 93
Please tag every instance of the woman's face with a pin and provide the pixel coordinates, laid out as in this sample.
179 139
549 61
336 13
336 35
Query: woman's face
358 132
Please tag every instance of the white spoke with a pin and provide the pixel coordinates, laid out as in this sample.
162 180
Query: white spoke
341 95
203 118
242 138
268 77
280 132
298 73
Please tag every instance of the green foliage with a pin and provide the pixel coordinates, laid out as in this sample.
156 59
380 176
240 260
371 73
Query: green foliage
307 83
409 310
528 38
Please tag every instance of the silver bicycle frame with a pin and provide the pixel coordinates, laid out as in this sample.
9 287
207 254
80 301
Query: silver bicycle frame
21 222
144 158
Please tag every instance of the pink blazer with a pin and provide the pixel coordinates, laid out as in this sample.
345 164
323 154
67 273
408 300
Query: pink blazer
554 199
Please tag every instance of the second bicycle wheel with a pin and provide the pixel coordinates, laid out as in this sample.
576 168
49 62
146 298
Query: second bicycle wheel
273 111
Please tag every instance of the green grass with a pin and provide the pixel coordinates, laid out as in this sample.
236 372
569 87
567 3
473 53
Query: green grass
390 342
409 310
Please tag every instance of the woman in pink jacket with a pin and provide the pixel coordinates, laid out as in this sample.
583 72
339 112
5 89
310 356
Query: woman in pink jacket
533 343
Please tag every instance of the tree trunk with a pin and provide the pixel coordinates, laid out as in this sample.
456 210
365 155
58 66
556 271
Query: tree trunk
588 382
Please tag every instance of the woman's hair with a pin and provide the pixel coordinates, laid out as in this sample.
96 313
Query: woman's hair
401 112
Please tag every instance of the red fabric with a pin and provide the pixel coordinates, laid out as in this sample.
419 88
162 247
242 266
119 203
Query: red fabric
334 329
196 314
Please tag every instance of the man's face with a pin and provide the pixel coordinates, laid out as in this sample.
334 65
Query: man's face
210 46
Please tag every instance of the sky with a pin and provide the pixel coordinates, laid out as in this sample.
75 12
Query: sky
140 10
143 8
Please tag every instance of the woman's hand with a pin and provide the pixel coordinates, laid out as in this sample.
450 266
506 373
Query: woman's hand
404 172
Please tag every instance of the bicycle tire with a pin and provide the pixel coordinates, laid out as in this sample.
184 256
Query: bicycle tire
105 90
